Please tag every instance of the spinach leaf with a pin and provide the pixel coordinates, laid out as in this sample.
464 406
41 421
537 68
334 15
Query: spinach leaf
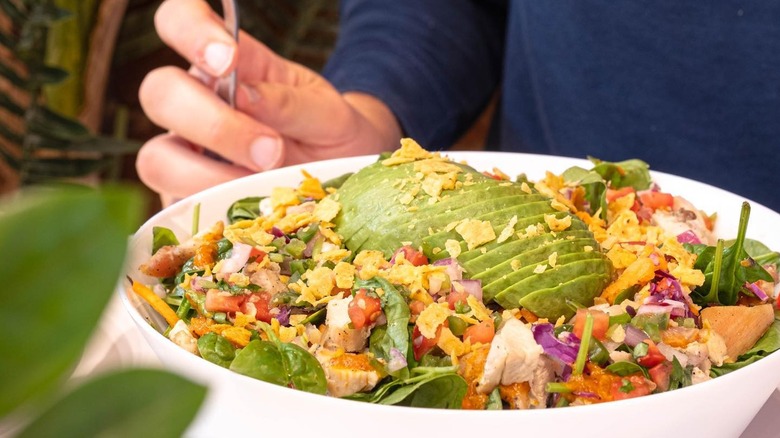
303 370
162 236
761 253
726 269
630 173
246 208
430 387
215 348
261 360
396 333
625 368
765 346
336 182
594 185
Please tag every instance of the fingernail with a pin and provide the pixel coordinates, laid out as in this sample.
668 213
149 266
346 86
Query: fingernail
218 57
265 152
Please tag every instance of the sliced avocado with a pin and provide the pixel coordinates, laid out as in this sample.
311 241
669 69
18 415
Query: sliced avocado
552 277
415 227
437 241
553 302
495 266
494 285
512 247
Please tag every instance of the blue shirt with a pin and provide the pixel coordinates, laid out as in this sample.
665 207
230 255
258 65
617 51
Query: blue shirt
691 87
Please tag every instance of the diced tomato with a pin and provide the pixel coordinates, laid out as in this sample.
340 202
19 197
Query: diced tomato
661 374
221 301
457 297
364 309
482 332
421 344
259 303
653 356
631 386
412 255
655 200
600 323
619 193
257 254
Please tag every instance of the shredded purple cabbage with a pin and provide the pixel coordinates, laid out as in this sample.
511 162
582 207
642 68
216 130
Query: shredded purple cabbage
563 350
284 315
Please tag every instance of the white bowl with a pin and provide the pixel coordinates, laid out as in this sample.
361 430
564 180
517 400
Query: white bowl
722 407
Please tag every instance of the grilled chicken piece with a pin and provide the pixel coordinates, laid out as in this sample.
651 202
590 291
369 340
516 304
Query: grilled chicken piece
684 217
268 278
338 333
514 357
739 326
347 373
181 336
167 261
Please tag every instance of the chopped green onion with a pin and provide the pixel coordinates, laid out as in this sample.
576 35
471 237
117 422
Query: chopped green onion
623 318
558 387
184 309
220 317
276 257
196 219
582 354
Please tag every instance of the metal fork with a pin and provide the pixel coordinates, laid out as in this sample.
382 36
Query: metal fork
226 87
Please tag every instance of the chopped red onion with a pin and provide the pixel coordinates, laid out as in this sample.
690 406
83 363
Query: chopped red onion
397 360
688 237
565 352
634 336
472 287
653 309
757 291
453 269
239 255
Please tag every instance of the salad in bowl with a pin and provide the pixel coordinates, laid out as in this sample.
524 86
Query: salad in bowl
420 281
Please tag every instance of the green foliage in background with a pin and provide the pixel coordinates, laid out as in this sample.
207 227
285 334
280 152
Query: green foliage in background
52 145
64 250
67 46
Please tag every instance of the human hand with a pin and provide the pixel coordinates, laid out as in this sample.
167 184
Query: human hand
285 113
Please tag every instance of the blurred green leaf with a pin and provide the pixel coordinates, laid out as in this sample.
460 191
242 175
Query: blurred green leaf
12 11
45 169
10 135
53 290
12 77
12 107
49 75
147 403
6 41
45 13
46 122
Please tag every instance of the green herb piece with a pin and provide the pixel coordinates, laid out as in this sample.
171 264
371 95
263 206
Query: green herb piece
162 236
396 334
494 402
640 350
626 386
623 318
680 377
